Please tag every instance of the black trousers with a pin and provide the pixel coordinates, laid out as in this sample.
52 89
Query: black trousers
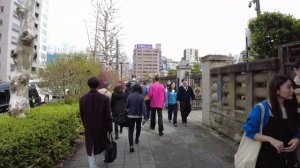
185 109
117 128
160 119
172 109
147 102
132 123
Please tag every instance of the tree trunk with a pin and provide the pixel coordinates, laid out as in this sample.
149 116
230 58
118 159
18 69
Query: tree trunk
23 57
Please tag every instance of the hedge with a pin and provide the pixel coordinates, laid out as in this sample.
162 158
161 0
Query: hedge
42 139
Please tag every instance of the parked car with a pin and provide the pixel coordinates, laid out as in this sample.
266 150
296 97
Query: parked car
33 95
43 92
4 97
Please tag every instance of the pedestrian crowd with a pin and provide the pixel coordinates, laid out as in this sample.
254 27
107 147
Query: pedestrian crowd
99 110
272 126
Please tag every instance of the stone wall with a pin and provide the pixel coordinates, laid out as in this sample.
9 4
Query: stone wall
234 90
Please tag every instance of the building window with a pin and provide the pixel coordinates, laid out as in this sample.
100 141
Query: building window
16 26
1 9
15 30
44 40
12 67
45 24
45 17
44 32
14 39
37 5
14 43
36 15
36 25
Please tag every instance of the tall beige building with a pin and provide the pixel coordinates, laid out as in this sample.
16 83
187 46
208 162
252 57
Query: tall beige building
10 30
146 60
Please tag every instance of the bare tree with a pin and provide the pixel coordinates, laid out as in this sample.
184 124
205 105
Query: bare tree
107 31
23 57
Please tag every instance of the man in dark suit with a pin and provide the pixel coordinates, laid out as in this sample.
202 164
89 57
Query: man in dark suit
184 95
97 121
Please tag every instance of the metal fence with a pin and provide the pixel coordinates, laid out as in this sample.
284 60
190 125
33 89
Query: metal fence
194 80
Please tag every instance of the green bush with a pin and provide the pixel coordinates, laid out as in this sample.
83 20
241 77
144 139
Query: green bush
42 139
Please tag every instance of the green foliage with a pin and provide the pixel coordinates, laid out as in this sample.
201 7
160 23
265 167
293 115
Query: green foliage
196 69
271 29
67 75
172 72
42 139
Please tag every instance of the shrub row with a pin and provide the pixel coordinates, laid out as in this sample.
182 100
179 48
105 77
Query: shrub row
42 139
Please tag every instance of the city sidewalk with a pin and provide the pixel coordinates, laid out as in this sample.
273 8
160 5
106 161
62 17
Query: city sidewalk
193 146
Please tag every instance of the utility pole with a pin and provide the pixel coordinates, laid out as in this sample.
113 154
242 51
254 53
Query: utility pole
117 55
257 7
96 29
121 70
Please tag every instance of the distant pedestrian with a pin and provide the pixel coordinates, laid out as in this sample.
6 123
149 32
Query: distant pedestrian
136 109
130 84
104 89
146 87
171 101
118 105
96 118
157 95
184 96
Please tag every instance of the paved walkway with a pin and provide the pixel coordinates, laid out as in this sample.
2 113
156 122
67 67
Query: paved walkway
180 147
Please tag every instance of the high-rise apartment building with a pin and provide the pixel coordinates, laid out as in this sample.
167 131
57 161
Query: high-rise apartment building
146 60
190 56
10 30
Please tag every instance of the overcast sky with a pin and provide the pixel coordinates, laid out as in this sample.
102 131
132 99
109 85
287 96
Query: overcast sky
211 26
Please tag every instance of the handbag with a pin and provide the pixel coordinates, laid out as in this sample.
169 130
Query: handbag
111 150
122 119
247 153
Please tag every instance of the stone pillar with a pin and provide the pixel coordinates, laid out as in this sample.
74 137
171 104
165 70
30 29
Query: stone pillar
181 71
209 62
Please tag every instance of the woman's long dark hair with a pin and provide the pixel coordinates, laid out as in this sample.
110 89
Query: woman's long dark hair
170 90
290 105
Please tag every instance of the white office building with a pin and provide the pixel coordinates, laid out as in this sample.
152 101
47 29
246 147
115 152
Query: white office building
10 30
190 57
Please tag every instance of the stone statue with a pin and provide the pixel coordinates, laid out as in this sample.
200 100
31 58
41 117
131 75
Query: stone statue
23 57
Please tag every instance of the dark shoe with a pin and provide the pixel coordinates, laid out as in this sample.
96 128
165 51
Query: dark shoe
175 125
161 133
131 150
185 124
152 128
136 141
121 130
117 136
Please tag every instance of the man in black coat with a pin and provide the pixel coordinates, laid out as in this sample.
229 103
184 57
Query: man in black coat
184 95
97 121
